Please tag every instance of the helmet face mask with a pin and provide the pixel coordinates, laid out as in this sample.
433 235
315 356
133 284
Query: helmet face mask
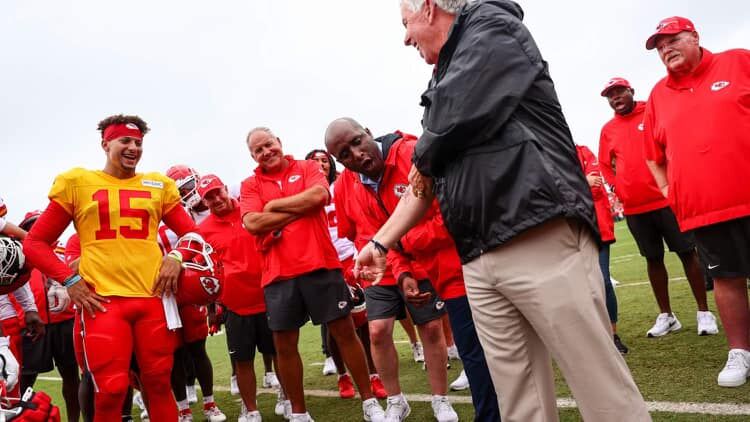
186 179
201 276
12 260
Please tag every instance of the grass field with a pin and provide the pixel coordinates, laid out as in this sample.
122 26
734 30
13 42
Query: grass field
680 367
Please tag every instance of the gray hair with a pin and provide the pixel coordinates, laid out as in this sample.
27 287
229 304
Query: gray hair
259 129
450 6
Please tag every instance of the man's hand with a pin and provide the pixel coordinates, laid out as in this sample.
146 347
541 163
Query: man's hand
8 364
370 264
168 278
34 325
85 299
410 287
421 185
215 319
58 299
594 179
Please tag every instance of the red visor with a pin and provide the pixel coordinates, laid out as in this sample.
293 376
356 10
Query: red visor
669 26
122 129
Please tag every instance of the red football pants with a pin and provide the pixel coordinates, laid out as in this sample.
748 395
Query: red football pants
109 340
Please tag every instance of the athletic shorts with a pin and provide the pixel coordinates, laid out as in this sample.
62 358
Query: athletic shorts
724 248
245 333
651 229
194 323
321 296
55 349
388 301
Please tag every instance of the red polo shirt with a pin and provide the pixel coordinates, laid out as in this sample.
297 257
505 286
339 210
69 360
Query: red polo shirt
428 243
603 209
241 291
699 126
305 244
621 141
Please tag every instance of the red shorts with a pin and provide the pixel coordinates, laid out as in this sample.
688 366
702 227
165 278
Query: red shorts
130 325
194 323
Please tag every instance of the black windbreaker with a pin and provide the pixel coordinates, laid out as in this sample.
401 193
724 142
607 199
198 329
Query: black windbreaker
495 137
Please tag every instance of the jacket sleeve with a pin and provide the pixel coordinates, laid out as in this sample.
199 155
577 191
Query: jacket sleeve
495 63
398 263
605 160
344 225
430 234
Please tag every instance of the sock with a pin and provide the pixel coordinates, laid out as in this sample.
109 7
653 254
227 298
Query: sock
208 399
399 397
183 404
373 376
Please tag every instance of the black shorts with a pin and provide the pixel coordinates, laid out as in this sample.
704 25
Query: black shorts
651 229
388 301
321 295
54 349
724 248
245 333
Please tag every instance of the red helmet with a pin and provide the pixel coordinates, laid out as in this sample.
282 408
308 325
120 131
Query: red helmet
201 276
186 179
13 274
34 406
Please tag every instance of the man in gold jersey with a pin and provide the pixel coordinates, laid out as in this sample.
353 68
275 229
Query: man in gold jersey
122 273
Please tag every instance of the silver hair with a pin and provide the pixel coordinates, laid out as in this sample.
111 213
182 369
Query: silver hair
450 6
259 129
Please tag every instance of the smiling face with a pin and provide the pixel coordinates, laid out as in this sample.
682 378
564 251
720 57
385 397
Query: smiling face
218 201
621 100
680 53
354 148
265 148
123 154
424 31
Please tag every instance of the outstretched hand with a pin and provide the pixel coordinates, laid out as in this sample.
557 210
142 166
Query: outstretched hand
370 264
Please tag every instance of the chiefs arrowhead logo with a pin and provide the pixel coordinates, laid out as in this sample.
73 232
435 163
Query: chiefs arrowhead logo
206 182
439 305
719 85
294 178
640 126
131 126
210 285
400 189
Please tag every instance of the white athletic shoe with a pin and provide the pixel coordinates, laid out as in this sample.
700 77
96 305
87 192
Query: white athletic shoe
270 380
138 401
185 415
253 416
417 351
398 409
706 323
283 406
372 411
329 367
443 410
737 369
304 417
453 353
461 383
192 397
664 324
234 389
212 413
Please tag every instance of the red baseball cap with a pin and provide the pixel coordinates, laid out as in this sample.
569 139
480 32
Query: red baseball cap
208 183
613 83
669 26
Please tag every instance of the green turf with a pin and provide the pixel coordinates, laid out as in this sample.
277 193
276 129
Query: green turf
680 367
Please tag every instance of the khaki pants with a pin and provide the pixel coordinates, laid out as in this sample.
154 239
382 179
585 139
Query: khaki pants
542 294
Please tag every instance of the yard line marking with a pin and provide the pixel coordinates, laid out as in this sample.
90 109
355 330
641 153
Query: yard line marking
562 402
643 283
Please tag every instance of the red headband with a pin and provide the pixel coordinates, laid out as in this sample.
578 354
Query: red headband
119 130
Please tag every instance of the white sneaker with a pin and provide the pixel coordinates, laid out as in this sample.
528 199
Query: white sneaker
372 411
461 383
144 416
453 353
737 369
329 367
664 324
270 380
303 417
706 323
253 416
418 352
283 406
443 410
234 388
185 415
192 397
398 409
212 413
138 401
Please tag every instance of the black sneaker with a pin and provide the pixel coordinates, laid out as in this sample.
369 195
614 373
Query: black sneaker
622 348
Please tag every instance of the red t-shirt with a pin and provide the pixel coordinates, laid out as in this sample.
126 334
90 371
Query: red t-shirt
603 209
699 126
305 244
428 245
241 262
621 141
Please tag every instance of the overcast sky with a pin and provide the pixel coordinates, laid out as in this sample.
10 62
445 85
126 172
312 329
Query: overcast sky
203 73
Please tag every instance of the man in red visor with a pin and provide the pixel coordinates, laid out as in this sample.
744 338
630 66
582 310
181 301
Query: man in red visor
122 274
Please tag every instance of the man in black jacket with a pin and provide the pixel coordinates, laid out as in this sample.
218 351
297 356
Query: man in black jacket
517 204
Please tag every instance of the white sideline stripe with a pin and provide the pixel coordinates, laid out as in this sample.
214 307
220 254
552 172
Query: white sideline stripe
642 283
653 406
